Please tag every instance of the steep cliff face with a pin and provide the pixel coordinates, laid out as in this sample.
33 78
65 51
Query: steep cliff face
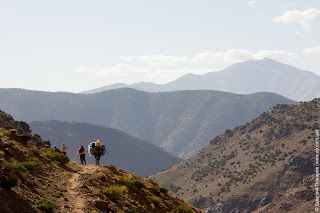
255 165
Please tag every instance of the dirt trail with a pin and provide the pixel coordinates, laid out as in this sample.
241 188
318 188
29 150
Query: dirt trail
75 199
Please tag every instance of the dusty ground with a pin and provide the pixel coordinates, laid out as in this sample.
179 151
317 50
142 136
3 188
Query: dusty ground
74 199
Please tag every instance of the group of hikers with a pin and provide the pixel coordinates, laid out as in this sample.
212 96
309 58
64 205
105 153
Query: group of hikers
94 148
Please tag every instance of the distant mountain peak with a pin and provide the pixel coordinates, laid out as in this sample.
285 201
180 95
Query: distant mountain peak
256 75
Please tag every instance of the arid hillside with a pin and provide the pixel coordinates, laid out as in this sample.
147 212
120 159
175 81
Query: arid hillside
265 165
41 180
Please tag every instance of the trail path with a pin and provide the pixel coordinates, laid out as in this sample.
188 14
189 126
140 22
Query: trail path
75 199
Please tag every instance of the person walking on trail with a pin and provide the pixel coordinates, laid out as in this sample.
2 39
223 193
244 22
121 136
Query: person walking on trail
97 154
64 149
82 154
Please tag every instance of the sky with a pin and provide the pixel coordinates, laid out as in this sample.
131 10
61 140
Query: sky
77 45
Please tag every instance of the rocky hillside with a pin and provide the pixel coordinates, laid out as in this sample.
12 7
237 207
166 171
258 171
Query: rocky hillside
124 151
33 180
181 122
266 165
248 77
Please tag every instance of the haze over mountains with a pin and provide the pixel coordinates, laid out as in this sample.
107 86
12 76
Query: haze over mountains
124 151
181 122
248 77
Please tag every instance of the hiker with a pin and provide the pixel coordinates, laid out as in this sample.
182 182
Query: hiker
56 149
97 154
81 152
64 149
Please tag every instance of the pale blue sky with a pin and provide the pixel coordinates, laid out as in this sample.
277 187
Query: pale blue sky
78 45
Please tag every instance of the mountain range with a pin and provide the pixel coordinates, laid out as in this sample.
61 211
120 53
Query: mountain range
266 165
181 122
123 151
248 77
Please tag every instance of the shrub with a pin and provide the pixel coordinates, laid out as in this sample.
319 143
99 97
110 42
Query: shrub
229 132
36 137
31 164
43 143
57 157
115 193
138 183
164 190
1 154
39 142
8 182
7 127
25 126
15 166
182 209
124 180
153 182
13 131
7 117
154 199
34 151
45 205
102 176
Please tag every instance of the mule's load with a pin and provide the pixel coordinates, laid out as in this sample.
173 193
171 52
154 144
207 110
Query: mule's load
97 149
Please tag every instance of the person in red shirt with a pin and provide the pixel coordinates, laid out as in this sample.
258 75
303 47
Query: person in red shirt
82 154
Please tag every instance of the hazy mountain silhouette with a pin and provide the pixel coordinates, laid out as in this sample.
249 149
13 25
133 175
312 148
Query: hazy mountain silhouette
181 122
248 77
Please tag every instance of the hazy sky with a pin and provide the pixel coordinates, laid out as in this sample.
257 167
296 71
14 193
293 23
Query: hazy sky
76 45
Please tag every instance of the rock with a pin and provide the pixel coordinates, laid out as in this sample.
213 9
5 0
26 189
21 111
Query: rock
101 205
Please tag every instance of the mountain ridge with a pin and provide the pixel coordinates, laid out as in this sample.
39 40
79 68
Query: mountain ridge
181 122
266 75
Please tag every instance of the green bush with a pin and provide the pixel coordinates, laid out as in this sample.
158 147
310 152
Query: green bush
7 127
153 182
102 176
154 199
39 142
15 166
164 190
124 180
45 205
31 164
115 193
8 182
138 183
182 209
7 117
25 126
57 157
34 151
36 137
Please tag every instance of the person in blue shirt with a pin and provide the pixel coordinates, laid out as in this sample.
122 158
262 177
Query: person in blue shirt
56 149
